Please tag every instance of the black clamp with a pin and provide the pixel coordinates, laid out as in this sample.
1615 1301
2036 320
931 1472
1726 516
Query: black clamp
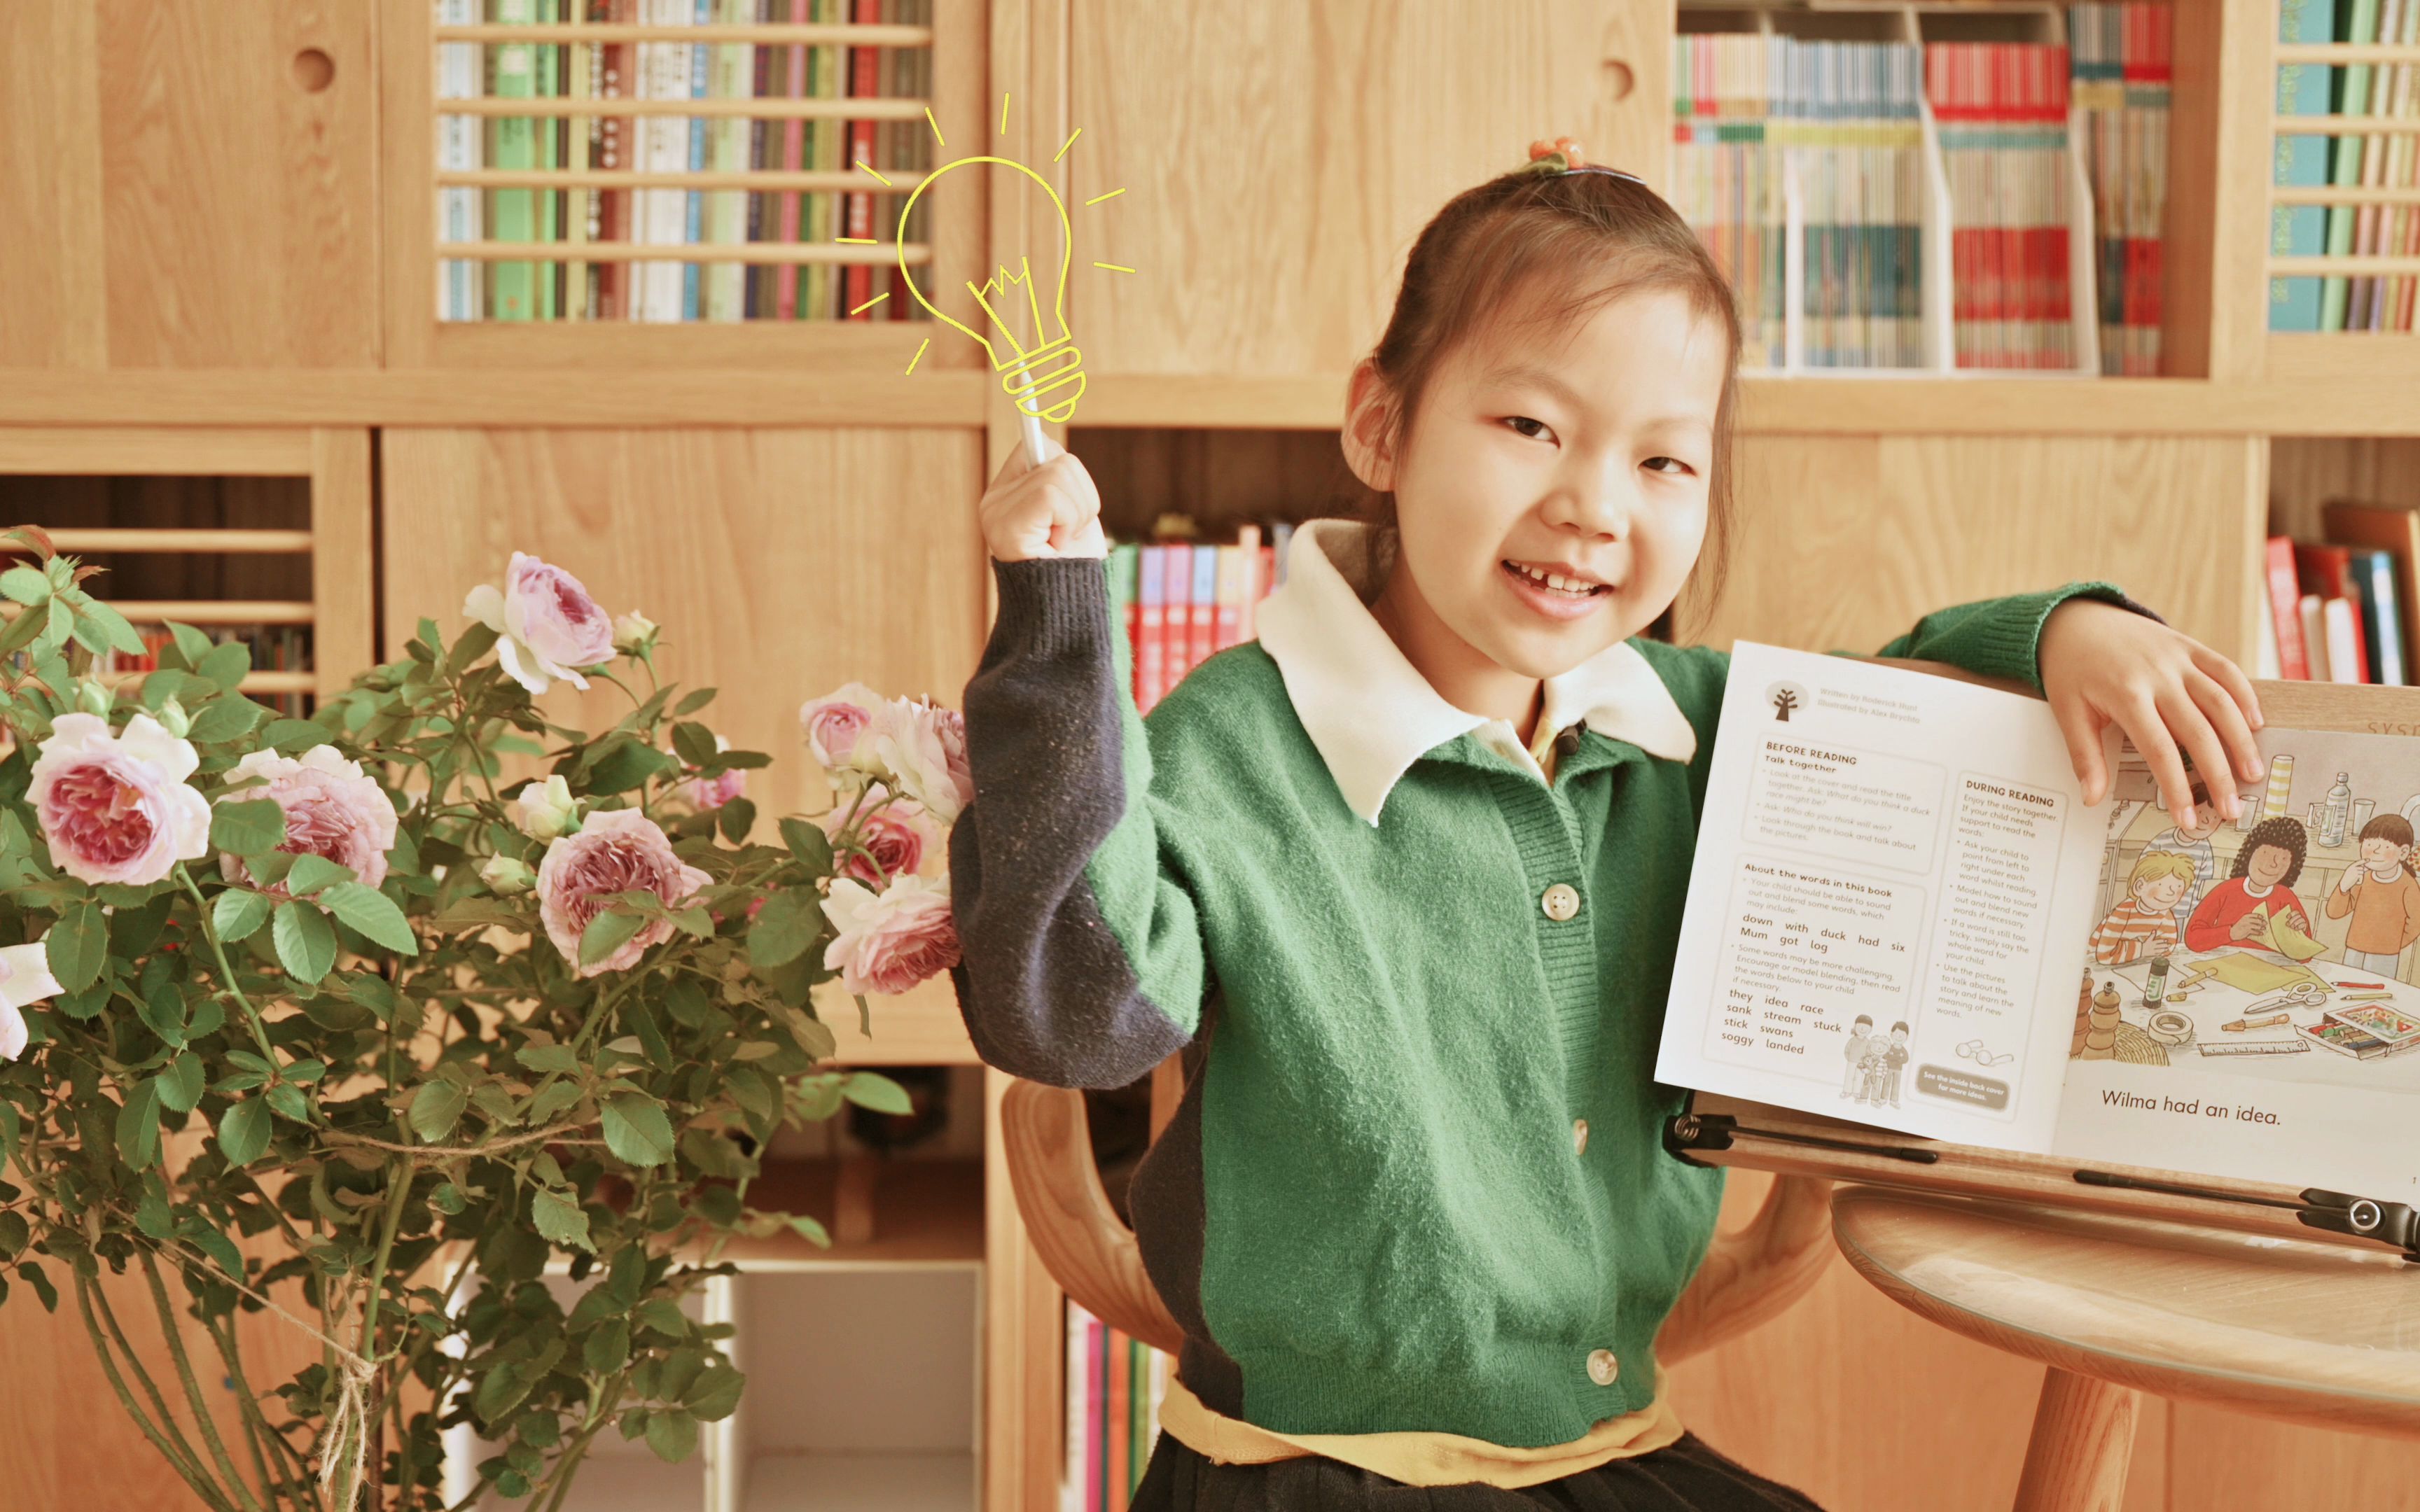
2390 1223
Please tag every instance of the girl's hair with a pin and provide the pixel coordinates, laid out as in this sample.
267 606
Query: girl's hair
1548 250
2153 865
2284 833
2396 830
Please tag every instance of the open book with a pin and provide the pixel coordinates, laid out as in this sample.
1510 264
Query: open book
1903 913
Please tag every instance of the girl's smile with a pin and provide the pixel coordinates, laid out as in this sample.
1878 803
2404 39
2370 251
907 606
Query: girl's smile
1557 591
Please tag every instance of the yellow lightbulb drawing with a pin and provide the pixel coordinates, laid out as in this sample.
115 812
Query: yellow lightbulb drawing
1032 351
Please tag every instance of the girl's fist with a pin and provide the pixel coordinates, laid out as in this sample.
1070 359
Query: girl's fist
1047 511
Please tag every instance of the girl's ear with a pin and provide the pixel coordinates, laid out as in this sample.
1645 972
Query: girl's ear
1368 428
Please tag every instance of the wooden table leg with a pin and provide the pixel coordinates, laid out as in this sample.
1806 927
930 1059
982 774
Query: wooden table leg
2083 1436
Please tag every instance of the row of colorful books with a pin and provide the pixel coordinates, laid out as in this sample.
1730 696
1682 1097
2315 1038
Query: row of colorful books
1114 1384
275 648
1770 127
2376 160
1182 602
666 291
2340 609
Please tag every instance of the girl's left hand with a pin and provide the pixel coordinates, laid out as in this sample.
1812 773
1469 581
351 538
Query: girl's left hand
2175 698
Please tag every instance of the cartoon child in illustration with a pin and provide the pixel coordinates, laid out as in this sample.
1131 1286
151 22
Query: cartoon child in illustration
2381 895
1861 1039
2262 887
1888 1062
2193 844
2145 922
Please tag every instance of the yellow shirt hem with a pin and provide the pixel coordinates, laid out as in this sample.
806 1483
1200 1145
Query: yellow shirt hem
1417 1458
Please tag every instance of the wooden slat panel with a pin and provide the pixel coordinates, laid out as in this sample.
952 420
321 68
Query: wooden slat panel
125 451
344 567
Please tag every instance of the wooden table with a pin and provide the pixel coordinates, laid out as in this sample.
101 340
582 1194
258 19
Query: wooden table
2319 1334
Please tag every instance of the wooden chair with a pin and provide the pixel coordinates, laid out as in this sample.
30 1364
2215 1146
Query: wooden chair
1749 1276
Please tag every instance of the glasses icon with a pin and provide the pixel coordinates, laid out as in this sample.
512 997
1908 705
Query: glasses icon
1973 1050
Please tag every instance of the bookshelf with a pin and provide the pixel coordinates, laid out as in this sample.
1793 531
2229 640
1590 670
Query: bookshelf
239 280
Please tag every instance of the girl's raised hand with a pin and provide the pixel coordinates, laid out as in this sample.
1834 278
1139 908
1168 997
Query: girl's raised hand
1047 511
2175 698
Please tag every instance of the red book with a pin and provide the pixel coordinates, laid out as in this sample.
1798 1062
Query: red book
615 149
2327 571
1176 628
1269 571
2286 609
1151 614
865 81
791 159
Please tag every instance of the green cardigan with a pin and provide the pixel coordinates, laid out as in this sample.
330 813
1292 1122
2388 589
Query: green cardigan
1369 1212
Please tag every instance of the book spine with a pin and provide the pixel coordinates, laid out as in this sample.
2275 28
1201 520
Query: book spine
864 82
460 284
1096 1371
1202 638
1115 1445
2382 579
513 286
1070 1416
794 160
1176 626
1151 614
763 134
549 145
1252 570
2285 599
2300 230
2310 612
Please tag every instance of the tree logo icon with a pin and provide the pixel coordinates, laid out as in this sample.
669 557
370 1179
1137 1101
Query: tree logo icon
1785 699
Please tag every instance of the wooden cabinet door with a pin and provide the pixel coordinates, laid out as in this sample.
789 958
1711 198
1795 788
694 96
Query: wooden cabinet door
1278 159
781 563
185 183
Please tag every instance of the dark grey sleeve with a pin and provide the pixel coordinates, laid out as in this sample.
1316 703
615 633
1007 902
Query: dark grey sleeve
1082 962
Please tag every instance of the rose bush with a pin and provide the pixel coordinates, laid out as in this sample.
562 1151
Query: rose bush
326 1016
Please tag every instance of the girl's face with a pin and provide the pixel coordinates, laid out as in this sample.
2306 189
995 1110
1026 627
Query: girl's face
2268 865
1552 492
2383 856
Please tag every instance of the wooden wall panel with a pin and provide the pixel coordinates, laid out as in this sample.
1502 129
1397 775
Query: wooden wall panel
781 564
1278 160
179 194
2306 473
1845 540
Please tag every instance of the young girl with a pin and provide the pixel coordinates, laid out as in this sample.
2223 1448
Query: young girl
2235 913
1402 881
2382 896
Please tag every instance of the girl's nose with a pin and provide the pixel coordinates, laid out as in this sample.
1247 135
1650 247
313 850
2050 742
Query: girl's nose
1603 502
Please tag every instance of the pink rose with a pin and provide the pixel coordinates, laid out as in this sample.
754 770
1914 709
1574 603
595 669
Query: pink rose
923 748
25 977
891 940
546 625
116 807
615 851
897 832
705 793
332 810
833 723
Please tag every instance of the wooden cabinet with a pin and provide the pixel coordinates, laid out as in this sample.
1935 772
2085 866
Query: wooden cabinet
187 185
1277 159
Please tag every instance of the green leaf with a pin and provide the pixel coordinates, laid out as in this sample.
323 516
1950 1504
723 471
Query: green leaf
225 665
243 1131
238 913
27 585
269 868
694 701
661 1315
77 946
559 1217
152 1214
869 1089
714 1155
809 843
736 819
180 1082
553 1100
436 1108
673 1435
292 737
14 1232
306 942
10 1131
371 912
191 644
32 1275
309 873
636 1130
715 1394
790 921
138 1126
476 642
287 1101
607 1349
163 1008
695 743
110 626
543 1059
247 827
606 934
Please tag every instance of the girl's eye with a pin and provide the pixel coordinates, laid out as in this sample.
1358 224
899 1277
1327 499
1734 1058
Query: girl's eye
1667 464
1517 422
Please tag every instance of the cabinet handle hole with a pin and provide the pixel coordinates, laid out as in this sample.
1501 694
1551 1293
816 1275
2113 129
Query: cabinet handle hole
314 69
1618 79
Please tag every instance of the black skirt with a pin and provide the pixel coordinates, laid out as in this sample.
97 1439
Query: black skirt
1686 1477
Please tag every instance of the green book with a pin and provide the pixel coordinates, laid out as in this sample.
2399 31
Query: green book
2359 24
512 214
549 155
